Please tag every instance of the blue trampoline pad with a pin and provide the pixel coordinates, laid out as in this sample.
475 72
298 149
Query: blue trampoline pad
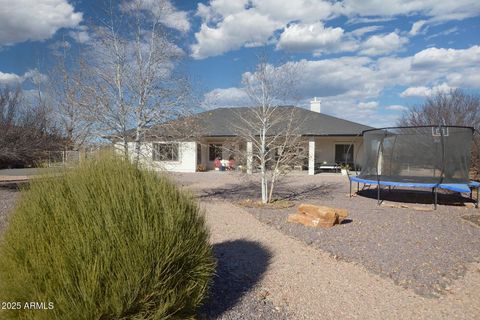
457 187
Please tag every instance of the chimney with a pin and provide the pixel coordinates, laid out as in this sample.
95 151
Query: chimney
315 105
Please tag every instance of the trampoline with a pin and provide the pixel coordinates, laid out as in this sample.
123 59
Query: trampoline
433 157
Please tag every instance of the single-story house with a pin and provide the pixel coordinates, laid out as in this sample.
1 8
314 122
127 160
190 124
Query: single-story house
326 140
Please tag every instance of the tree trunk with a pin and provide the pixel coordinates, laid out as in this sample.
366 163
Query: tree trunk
137 146
272 184
263 169
125 148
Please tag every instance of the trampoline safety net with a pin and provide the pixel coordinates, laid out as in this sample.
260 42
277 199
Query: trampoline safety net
426 154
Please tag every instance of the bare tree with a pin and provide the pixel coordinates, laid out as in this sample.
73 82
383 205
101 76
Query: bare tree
62 89
455 107
26 131
132 82
271 128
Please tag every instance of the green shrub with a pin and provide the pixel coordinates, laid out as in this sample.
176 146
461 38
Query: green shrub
105 241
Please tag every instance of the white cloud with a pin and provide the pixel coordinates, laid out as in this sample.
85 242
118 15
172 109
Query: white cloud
383 44
441 58
310 37
364 30
371 105
220 8
23 20
80 34
425 91
229 97
364 79
437 10
443 33
349 86
229 25
469 78
307 11
164 10
233 32
396 107
416 27
32 75
9 78
362 20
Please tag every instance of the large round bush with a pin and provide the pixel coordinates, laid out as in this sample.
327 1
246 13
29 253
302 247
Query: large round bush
105 241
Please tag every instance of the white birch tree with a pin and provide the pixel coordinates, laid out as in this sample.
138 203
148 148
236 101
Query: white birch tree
65 98
132 81
268 125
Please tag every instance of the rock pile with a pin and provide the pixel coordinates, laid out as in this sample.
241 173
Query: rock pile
318 216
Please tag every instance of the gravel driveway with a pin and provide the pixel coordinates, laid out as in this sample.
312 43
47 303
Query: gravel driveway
309 284
8 195
423 249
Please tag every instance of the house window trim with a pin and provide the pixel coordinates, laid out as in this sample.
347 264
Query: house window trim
167 161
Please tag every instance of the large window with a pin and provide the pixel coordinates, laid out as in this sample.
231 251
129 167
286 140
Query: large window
214 151
165 152
344 153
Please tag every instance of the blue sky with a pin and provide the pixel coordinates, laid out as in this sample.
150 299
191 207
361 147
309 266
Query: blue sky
367 60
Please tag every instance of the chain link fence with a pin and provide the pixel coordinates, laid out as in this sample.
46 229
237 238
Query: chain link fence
70 158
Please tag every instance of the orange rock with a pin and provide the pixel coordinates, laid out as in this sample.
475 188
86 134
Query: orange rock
310 221
303 219
324 213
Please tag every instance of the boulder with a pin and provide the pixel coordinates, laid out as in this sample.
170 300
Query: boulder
303 219
324 213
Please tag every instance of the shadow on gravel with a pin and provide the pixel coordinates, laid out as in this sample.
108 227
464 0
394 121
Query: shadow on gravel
416 196
13 185
251 190
240 266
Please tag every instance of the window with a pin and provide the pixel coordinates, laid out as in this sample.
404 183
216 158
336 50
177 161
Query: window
344 153
165 152
214 151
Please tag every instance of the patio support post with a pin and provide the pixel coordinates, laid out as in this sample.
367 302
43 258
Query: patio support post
311 156
249 157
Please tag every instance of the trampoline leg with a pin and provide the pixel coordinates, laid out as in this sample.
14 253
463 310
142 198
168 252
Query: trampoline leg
350 188
435 201
378 194
476 204
358 186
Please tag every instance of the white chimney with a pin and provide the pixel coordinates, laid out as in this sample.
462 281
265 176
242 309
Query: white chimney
315 105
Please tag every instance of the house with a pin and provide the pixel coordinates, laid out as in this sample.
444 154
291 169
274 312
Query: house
327 140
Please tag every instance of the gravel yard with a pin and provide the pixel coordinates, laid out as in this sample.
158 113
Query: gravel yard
235 294
417 247
8 195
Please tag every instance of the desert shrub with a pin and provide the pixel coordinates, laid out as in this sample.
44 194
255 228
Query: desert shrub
105 241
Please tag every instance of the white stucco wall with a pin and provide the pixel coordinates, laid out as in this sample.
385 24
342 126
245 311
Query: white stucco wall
187 157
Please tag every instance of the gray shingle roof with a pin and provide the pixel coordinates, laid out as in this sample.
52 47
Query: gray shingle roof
226 121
